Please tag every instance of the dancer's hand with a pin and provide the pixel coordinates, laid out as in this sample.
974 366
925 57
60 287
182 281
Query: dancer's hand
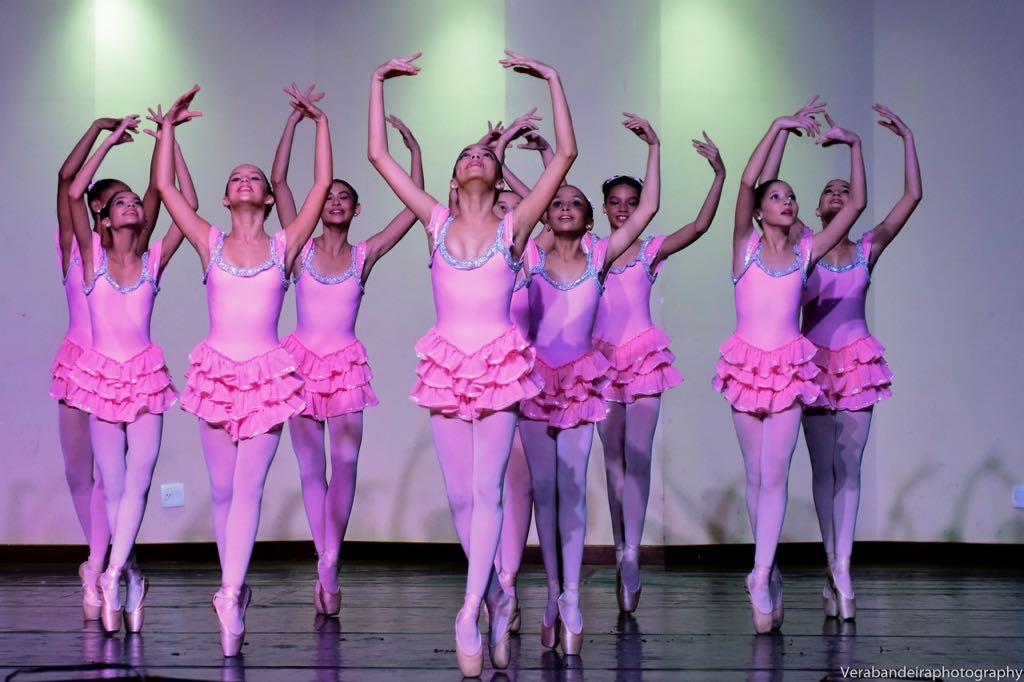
808 110
407 137
531 67
894 122
397 66
709 151
641 127
836 135
179 111
534 141
523 125
126 127
303 103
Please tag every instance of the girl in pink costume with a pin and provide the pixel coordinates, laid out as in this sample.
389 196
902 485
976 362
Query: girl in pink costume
329 282
641 364
474 365
854 375
73 424
565 290
122 380
766 368
241 381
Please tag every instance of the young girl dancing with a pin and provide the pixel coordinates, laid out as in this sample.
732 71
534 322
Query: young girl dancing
641 364
241 382
558 429
765 370
474 365
854 375
73 424
329 282
122 380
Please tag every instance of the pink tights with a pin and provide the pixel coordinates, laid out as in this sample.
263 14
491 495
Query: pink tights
126 456
836 442
85 484
627 435
558 467
767 443
237 474
328 503
473 457
517 513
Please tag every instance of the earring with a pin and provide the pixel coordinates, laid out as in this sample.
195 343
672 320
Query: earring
500 185
452 184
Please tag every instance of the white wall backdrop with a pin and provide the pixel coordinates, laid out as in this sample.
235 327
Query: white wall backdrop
946 301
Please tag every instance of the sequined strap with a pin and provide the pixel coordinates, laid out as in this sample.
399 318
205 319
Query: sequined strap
806 243
649 248
753 242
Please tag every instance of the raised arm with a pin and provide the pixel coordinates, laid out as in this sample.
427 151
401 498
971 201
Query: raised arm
78 187
298 231
691 232
536 201
173 238
385 240
891 225
743 220
536 142
840 225
68 170
650 195
284 201
183 212
413 196
773 165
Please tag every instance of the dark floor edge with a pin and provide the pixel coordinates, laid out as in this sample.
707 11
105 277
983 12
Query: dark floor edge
981 555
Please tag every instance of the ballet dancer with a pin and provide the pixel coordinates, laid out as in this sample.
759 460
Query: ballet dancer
558 429
766 370
121 380
641 364
241 382
474 364
854 375
329 281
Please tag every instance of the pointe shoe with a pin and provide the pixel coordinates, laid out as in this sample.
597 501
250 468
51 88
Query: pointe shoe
759 594
572 642
227 602
326 603
846 604
775 590
500 632
92 603
138 588
549 633
516 624
471 663
829 600
110 584
628 598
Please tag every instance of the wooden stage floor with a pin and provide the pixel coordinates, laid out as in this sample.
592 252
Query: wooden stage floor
397 624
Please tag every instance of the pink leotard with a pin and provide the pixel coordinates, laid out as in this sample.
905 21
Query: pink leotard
241 377
123 372
766 365
854 374
79 334
330 358
574 372
473 361
641 362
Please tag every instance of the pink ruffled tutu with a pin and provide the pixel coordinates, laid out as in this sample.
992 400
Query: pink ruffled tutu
470 386
246 398
118 391
60 370
853 377
766 381
572 393
336 383
641 366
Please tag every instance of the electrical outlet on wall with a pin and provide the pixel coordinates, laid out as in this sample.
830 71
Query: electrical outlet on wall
1018 496
172 495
